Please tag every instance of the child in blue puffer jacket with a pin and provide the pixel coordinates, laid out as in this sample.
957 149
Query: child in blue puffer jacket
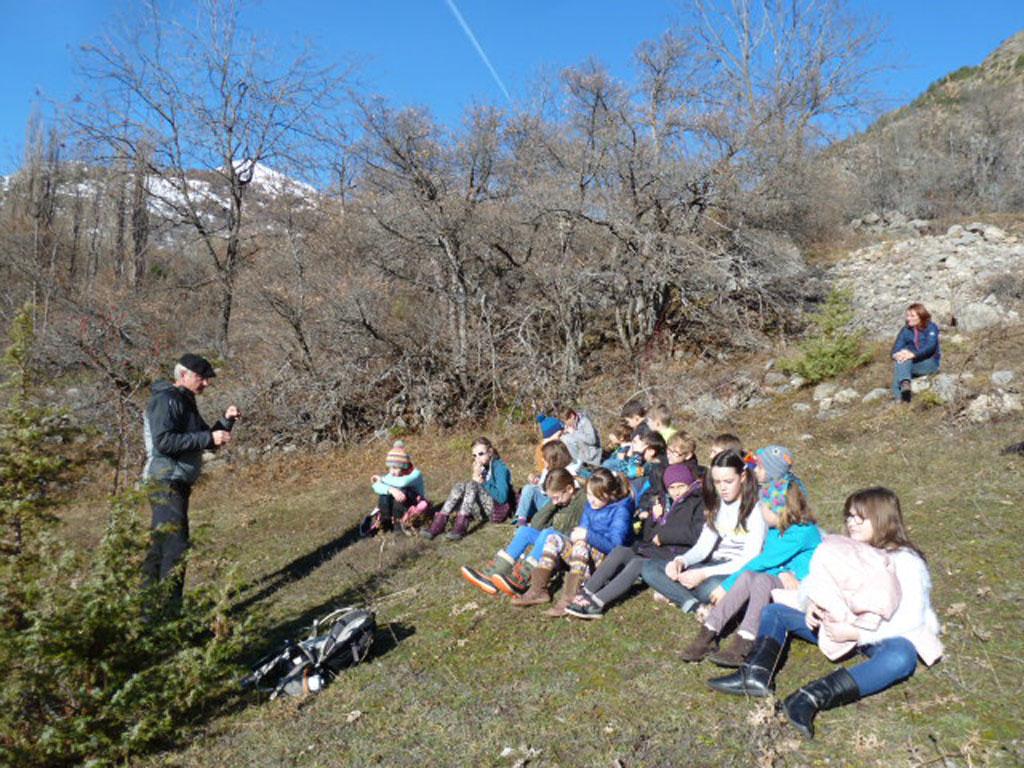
607 523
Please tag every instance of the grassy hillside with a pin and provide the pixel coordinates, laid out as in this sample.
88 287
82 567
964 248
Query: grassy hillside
458 678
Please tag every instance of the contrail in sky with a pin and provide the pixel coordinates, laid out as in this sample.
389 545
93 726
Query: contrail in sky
479 49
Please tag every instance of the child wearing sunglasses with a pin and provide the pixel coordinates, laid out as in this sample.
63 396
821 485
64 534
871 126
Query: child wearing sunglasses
489 487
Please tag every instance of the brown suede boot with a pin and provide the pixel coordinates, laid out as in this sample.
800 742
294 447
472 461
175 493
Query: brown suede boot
537 594
734 654
704 643
573 582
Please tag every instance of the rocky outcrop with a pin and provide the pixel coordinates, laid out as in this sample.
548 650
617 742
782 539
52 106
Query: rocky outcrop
971 277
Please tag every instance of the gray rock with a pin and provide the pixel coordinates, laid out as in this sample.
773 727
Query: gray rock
801 407
290 448
797 381
990 232
985 408
774 378
955 231
879 393
845 396
920 384
824 390
966 239
709 407
947 387
1002 378
978 316
825 404
871 219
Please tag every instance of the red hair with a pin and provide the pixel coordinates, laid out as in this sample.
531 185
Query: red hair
923 315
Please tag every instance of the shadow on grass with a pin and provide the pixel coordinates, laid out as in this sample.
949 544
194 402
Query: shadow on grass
297 569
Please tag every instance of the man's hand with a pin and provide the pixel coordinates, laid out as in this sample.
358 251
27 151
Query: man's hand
221 437
716 595
232 413
578 534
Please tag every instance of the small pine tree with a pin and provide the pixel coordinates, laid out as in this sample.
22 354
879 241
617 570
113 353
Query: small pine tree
29 468
93 671
833 349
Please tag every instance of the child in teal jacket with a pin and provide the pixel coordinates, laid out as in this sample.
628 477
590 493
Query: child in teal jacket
783 563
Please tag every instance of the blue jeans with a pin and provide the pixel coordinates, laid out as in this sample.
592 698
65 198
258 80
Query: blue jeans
890 661
688 599
910 370
531 498
524 539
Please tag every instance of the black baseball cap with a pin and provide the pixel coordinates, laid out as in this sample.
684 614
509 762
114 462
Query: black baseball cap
198 365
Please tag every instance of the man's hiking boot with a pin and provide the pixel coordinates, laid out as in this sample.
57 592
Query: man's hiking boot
478 579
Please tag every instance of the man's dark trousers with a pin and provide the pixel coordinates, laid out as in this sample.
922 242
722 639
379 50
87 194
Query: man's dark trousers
169 536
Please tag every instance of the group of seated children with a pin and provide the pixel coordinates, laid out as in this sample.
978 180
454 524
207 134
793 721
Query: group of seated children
737 544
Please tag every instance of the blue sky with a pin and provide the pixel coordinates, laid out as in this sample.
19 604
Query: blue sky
416 52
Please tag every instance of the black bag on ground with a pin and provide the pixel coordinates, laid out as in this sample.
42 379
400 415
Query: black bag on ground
340 639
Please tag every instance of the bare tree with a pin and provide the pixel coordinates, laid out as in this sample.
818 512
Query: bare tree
201 107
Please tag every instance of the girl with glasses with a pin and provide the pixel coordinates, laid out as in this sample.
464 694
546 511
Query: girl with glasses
869 592
490 487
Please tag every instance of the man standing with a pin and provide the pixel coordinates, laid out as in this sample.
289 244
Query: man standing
176 437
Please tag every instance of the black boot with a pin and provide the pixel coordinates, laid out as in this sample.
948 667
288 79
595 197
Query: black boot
905 391
754 678
831 691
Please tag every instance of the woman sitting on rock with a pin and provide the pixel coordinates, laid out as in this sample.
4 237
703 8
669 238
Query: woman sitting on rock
916 351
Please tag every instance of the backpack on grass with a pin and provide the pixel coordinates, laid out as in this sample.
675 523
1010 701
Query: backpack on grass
336 641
